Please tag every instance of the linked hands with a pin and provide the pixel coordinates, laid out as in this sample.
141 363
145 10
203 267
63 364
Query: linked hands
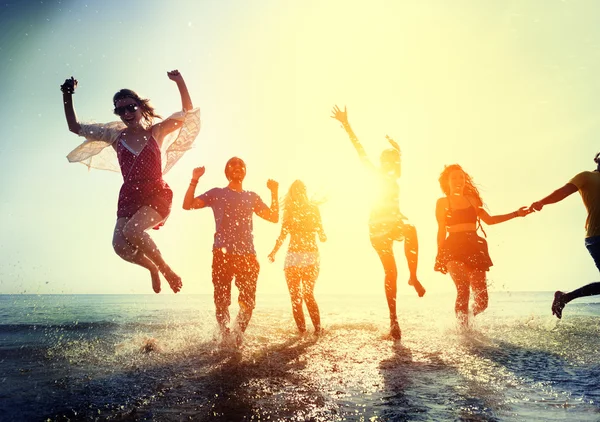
523 211
69 86
536 206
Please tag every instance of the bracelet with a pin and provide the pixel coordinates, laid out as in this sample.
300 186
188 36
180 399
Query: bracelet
193 182
516 214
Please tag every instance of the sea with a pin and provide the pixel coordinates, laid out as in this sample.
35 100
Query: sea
159 358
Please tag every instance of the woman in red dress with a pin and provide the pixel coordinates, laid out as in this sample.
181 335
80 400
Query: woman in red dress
145 198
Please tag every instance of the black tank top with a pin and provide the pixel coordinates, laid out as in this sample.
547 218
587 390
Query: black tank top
461 216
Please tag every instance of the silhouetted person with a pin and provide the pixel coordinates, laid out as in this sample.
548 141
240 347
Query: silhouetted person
233 249
386 223
461 252
588 185
302 221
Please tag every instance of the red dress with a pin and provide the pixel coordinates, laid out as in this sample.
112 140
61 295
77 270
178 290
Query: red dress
143 184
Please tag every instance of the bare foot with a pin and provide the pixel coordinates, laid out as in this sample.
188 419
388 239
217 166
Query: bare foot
173 279
395 332
558 304
155 281
417 285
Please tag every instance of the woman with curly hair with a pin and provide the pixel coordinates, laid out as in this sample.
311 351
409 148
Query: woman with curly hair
302 221
386 223
461 252
136 146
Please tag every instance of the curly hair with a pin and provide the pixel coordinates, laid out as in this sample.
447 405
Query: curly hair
148 113
470 188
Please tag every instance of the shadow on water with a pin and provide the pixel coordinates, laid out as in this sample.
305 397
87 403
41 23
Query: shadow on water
427 389
206 385
578 380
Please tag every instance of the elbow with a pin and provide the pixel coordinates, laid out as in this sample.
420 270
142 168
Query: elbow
75 128
186 206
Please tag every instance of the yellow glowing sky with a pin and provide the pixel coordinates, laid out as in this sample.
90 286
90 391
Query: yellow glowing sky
506 89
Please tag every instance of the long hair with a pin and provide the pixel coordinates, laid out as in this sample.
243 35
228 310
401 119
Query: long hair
297 208
148 113
470 188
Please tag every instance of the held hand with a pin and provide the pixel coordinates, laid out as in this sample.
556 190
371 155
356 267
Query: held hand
198 172
69 86
272 185
271 257
523 211
175 76
337 114
536 206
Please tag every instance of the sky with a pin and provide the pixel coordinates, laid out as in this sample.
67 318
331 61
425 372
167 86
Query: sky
507 89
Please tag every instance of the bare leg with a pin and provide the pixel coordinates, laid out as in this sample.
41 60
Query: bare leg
386 255
480 292
561 298
411 251
132 254
459 274
308 286
292 277
135 233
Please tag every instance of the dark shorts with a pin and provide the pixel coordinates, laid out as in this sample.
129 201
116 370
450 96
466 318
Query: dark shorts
383 235
226 267
593 246
466 247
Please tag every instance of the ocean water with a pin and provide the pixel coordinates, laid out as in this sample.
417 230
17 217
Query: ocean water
82 357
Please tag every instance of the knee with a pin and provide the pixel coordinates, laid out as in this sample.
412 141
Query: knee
391 275
123 249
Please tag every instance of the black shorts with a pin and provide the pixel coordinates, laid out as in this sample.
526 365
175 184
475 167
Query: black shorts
465 247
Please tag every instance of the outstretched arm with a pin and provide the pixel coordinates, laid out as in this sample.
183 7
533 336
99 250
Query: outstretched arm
496 219
320 230
342 117
68 88
169 125
189 201
278 242
271 214
556 196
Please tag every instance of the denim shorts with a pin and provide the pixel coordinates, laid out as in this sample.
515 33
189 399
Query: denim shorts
593 246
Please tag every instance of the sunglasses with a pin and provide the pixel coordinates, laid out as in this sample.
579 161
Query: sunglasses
132 108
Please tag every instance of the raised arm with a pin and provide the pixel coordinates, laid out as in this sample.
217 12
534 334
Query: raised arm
441 209
342 117
495 219
169 125
68 89
189 201
271 214
556 196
